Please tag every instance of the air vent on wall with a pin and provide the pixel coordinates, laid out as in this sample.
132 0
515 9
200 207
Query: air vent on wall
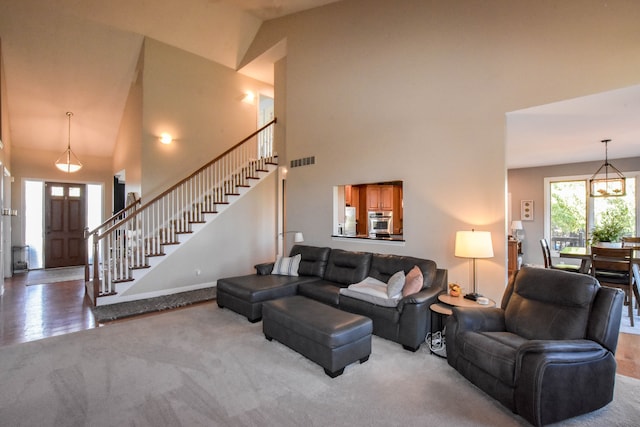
305 161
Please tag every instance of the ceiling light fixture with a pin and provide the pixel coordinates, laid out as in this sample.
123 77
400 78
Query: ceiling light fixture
607 187
166 138
68 162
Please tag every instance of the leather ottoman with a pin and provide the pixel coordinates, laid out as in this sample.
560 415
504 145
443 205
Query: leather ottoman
330 337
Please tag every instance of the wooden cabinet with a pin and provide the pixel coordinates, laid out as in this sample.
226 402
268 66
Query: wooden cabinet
380 197
514 251
348 195
398 212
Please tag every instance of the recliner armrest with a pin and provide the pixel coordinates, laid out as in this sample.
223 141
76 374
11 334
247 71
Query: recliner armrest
479 319
563 346
264 269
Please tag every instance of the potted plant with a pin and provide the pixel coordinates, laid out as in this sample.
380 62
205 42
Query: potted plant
610 228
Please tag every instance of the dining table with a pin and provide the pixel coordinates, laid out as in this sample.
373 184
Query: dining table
584 253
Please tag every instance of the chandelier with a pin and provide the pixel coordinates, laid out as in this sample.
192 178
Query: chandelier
607 186
68 162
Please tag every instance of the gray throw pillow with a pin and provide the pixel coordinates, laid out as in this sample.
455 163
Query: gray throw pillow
287 266
395 285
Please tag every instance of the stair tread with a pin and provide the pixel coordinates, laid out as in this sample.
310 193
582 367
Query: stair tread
192 212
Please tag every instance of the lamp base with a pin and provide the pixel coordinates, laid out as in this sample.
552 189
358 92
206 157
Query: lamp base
473 296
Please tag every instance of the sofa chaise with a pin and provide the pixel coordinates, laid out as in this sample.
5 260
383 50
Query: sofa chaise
325 275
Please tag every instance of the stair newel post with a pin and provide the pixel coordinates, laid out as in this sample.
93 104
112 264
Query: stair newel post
96 268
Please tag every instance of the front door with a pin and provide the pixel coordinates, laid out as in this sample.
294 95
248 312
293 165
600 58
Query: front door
64 224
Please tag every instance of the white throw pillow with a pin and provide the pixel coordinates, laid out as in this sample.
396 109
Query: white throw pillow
371 290
287 266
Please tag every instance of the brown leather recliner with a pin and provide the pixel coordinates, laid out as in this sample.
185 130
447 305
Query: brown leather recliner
548 353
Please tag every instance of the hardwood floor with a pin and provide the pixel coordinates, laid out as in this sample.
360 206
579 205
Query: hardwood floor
29 313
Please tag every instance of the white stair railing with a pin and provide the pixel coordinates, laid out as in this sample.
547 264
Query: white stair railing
125 241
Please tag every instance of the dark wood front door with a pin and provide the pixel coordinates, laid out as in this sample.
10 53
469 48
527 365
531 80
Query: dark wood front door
65 220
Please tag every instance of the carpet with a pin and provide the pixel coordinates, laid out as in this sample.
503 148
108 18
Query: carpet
205 366
105 313
54 275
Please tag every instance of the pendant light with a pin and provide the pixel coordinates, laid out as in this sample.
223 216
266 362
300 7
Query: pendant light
613 186
68 162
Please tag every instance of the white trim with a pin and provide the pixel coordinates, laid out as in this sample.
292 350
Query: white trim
590 219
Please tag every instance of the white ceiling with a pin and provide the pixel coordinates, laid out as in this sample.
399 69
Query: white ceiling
571 131
80 56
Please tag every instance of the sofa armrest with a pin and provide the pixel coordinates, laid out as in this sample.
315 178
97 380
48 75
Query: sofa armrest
264 269
428 295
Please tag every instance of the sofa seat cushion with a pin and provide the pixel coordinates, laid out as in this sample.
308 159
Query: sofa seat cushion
254 288
378 313
320 290
493 352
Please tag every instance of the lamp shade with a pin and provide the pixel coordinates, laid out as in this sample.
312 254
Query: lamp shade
473 244
298 237
516 225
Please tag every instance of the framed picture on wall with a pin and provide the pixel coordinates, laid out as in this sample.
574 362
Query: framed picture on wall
526 210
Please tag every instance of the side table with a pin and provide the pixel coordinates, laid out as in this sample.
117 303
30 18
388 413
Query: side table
442 309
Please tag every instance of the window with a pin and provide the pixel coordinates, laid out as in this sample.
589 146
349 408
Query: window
57 191
74 192
571 214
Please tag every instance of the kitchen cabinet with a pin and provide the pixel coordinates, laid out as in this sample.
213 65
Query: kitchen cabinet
398 212
380 197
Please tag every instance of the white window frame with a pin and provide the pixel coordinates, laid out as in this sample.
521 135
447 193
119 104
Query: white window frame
547 202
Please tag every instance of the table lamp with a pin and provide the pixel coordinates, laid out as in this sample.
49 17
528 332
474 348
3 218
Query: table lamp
516 226
473 244
297 237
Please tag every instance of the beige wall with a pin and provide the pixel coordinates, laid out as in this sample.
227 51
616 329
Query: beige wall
127 153
528 184
418 90
199 103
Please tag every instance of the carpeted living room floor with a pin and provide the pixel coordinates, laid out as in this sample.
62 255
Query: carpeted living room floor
207 366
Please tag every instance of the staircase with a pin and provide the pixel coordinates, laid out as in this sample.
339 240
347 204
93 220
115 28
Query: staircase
139 237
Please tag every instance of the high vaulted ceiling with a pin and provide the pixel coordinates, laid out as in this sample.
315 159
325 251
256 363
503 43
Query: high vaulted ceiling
80 56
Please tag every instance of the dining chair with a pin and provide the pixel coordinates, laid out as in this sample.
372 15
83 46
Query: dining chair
546 254
632 242
612 267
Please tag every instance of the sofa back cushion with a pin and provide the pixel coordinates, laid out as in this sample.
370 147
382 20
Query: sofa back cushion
347 267
313 260
383 266
548 304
